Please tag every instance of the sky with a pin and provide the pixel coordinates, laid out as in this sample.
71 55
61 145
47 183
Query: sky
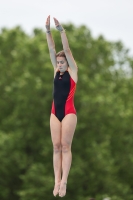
111 18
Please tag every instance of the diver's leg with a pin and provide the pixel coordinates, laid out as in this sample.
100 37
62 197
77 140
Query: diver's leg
55 127
68 128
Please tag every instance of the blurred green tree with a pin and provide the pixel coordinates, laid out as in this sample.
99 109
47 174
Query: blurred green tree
102 146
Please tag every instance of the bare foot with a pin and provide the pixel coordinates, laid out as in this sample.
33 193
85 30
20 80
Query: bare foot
56 189
62 190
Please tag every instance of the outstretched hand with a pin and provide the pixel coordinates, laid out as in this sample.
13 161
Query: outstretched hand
58 25
47 25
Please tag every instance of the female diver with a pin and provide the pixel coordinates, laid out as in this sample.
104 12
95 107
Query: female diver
63 117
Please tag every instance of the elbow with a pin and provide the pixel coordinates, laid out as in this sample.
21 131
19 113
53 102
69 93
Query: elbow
52 50
67 50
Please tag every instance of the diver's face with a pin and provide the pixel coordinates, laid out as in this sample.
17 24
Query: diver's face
62 64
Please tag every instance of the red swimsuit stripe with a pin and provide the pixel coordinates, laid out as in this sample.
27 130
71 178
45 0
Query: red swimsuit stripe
71 94
69 106
53 108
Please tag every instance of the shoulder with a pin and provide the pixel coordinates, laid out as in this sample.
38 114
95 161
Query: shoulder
73 74
56 70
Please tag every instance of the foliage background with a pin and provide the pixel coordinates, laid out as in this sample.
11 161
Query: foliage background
102 146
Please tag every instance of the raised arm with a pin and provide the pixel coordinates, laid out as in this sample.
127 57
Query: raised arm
66 48
51 44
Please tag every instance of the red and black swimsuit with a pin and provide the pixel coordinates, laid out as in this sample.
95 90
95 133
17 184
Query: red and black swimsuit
63 95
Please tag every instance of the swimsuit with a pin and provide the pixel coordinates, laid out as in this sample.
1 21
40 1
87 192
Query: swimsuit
63 95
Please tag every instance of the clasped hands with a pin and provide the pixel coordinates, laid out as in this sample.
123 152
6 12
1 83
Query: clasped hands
57 24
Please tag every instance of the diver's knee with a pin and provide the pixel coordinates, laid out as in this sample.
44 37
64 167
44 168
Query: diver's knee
65 148
57 148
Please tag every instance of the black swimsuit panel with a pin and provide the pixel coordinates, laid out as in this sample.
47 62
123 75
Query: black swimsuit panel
60 93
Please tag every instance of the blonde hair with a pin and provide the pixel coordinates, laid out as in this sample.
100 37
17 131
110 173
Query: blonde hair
61 54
